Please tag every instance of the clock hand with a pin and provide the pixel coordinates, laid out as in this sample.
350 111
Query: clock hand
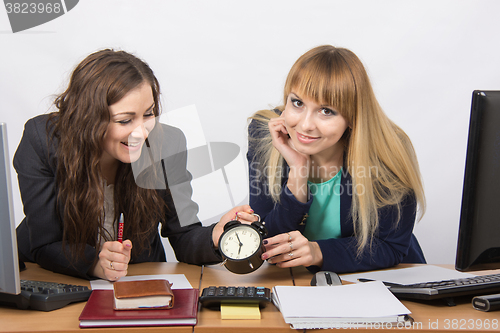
238 239
241 244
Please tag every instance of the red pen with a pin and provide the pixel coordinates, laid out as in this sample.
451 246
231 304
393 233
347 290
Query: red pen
120 228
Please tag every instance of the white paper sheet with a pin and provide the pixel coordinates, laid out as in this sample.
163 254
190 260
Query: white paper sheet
410 275
366 300
179 281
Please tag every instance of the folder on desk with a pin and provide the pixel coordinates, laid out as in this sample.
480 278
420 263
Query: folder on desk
369 304
99 312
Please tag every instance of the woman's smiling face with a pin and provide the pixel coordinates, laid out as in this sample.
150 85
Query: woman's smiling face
313 128
131 120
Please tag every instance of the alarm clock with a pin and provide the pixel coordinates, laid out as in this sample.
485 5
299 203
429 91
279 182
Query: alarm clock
241 246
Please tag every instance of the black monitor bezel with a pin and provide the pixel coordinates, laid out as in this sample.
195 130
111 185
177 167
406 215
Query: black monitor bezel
484 117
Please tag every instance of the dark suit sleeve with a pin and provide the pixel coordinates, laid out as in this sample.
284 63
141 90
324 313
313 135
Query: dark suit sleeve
40 233
191 241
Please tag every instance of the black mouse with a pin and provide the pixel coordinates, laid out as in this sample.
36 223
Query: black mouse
324 278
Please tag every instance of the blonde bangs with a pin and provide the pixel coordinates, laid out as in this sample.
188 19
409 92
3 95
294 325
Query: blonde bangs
326 78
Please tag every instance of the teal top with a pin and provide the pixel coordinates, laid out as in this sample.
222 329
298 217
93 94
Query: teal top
324 215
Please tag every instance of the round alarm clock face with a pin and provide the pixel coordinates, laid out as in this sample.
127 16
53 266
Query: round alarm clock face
241 246
240 242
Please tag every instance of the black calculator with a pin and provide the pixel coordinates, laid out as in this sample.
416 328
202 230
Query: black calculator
212 296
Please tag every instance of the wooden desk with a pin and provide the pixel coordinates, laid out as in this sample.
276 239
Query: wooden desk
432 316
266 276
66 319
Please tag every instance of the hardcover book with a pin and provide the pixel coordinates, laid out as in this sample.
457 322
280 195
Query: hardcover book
99 311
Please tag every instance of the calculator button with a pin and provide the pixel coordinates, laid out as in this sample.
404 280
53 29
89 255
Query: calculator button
231 291
214 296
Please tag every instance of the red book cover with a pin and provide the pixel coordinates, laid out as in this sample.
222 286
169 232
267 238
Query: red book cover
99 312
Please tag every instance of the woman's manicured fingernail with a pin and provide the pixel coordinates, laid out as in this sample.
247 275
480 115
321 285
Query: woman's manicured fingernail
265 256
265 242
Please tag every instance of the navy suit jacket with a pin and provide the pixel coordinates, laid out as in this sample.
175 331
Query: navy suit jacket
393 243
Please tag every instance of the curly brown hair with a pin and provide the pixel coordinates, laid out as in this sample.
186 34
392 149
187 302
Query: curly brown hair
79 126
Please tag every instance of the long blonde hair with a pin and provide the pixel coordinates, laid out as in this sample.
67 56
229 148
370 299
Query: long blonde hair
379 155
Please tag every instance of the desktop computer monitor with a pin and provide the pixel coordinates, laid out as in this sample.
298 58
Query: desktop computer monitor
9 262
478 245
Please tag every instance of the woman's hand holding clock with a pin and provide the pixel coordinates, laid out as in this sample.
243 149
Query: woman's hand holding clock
292 249
243 213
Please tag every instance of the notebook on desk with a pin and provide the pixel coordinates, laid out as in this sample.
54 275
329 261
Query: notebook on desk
347 306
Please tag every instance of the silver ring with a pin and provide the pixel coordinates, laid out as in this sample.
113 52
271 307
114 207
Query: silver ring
111 265
290 254
291 246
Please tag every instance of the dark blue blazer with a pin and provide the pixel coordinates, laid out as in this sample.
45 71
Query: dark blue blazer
393 243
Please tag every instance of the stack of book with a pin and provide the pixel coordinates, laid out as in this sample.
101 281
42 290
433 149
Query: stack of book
140 303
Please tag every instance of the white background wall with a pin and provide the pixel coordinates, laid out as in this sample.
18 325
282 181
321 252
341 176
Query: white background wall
230 58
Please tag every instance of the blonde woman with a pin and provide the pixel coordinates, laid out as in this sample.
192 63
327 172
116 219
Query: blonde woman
335 180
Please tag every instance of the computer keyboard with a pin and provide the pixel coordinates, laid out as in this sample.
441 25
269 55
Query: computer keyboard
477 285
45 296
